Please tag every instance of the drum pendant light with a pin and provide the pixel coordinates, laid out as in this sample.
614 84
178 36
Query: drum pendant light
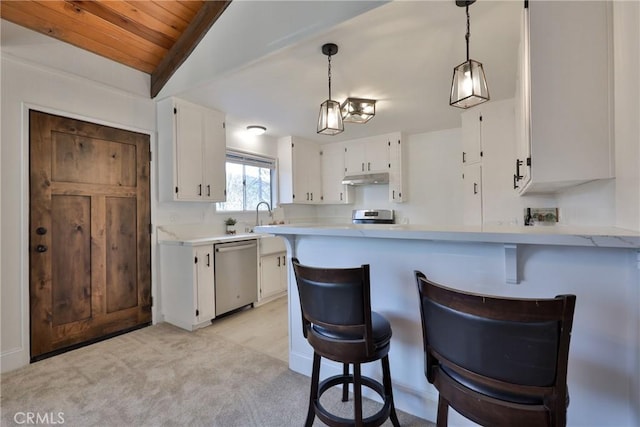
469 85
330 118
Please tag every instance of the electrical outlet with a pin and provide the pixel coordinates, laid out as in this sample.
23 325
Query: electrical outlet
541 216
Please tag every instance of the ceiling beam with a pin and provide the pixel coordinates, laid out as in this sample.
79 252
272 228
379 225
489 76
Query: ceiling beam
201 23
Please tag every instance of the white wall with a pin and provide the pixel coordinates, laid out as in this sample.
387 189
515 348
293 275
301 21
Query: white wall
25 86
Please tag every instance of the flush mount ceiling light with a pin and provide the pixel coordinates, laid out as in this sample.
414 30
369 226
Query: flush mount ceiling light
256 129
330 118
358 110
469 85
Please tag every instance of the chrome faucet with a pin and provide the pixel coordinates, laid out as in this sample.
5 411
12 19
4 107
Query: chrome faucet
268 208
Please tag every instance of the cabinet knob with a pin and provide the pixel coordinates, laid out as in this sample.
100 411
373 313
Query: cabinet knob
41 231
41 248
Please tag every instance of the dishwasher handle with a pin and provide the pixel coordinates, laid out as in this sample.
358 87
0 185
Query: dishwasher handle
235 247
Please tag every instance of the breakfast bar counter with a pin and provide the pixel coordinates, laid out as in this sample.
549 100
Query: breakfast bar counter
599 265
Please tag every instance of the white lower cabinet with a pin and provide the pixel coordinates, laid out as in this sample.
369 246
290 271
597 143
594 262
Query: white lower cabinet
187 294
273 268
273 275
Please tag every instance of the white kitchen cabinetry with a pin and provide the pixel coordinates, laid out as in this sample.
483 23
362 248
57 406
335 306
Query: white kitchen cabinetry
397 182
192 152
564 95
187 285
471 136
273 268
299 176
367 155
472 181
487 162
333 171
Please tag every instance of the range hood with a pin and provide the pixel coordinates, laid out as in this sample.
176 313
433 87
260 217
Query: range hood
365 179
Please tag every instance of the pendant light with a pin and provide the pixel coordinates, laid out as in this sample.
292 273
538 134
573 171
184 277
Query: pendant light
330 119
469 85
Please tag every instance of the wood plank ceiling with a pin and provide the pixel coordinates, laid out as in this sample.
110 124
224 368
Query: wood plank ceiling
154 37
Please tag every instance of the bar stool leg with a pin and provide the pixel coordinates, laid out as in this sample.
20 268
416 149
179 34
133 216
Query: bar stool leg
388 390
345 384
357 394
313 395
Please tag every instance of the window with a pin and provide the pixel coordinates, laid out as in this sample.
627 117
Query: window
249 180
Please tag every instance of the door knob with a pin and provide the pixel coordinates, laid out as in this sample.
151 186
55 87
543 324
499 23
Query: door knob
41 248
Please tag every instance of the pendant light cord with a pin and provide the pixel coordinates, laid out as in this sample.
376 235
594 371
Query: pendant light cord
468 35
329 74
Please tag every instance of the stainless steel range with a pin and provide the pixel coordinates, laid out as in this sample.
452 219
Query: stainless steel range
372 216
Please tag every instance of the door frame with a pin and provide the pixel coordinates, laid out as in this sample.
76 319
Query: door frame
19 357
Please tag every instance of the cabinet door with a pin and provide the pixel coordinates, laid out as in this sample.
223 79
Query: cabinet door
377 155
307 182
284 273
570 112
471 136
354 158
205 303
271 268
333 171
189 140
396 177
472 181
214 155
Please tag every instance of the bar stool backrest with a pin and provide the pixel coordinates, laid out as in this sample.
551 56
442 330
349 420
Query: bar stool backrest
336 310
485 347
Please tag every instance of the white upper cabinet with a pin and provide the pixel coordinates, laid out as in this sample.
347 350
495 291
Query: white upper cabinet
333 171
564 95
471 135
192 152
397 184
472 184
367 155
299 176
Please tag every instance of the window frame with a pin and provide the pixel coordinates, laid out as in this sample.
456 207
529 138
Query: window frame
250 159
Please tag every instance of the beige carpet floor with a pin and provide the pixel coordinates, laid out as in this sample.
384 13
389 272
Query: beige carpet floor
164 376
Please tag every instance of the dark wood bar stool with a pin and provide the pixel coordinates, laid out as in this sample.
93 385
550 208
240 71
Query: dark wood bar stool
338 323
497 361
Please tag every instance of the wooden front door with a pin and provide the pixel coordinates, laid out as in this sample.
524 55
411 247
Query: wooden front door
89 235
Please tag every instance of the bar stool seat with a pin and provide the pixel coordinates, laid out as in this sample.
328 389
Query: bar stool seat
338 323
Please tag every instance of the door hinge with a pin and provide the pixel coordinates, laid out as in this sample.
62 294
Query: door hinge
176 190
528 161
389 143
150 156
151 301
224 125
481 153
195 260
480 117
197 312
150 228
175 110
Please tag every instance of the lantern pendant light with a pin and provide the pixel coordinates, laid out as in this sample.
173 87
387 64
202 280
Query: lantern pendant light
469 85
330 119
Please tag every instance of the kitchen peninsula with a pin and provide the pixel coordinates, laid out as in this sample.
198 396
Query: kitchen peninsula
600 266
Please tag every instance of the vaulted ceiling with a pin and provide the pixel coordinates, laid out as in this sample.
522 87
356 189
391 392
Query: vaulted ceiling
154 37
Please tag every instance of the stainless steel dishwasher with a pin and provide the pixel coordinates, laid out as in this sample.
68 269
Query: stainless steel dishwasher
236 274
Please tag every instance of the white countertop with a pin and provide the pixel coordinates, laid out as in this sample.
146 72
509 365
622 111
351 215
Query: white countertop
196 234
537 235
